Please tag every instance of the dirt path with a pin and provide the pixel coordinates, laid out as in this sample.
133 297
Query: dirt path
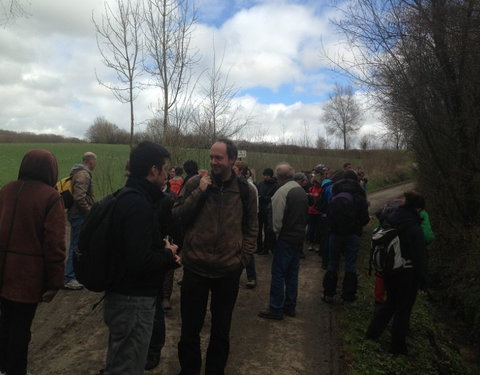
70 338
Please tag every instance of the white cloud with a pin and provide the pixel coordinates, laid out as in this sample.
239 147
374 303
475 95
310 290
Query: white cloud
48 63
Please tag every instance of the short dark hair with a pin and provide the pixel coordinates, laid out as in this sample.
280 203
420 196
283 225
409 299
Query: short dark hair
232 151
268 172
145 155
190 167
414 199
178 171
350 175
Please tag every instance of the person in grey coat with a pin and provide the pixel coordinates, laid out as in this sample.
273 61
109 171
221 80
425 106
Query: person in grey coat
289 212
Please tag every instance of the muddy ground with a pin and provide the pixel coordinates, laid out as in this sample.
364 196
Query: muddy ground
69 338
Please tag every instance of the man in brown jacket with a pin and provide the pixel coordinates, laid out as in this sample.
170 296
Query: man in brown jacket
219 241
83 199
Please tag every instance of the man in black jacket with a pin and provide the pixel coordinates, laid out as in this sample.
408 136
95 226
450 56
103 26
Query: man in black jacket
266 189
141 260
347 215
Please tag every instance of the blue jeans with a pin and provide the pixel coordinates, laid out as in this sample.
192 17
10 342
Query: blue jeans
284 284
130 321
76 222
350 244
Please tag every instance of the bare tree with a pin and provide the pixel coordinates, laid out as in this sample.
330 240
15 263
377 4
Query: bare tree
321 143
168 32
217 115
422 60
120 43
396 129
104 131
11 9
342 113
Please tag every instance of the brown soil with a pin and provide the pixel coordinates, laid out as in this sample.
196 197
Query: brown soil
69 338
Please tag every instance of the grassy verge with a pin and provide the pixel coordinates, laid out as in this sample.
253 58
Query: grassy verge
432 351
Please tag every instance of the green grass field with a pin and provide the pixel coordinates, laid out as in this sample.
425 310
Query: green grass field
382 167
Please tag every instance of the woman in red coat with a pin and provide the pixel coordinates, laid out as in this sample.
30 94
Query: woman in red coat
32 253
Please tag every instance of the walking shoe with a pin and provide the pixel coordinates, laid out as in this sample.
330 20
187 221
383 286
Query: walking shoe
251 284
152 361
73 285
269 314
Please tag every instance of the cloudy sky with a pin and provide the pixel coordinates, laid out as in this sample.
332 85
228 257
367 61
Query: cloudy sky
272 52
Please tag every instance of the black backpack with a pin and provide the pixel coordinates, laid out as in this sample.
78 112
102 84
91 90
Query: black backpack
386 253
342 214
93 258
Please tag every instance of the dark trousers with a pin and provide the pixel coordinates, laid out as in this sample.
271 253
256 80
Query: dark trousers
168 284
265 237
313 228
251 269
15 322
324 241
194 296
401 293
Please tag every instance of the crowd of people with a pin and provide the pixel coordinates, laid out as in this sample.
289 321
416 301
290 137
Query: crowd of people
209 223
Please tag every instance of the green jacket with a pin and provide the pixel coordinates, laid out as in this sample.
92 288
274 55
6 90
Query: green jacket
426 227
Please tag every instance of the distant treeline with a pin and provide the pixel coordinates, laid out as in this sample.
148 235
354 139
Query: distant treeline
8 136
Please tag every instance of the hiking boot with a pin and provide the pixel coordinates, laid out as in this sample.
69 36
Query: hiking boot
251 284
152 361
269 314
166 304
73 285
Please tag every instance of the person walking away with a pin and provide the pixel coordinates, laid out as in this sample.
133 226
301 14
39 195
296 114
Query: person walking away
289 206
32 253
403 284
347 215
266 189
220 235
241 170
83 199
142 258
